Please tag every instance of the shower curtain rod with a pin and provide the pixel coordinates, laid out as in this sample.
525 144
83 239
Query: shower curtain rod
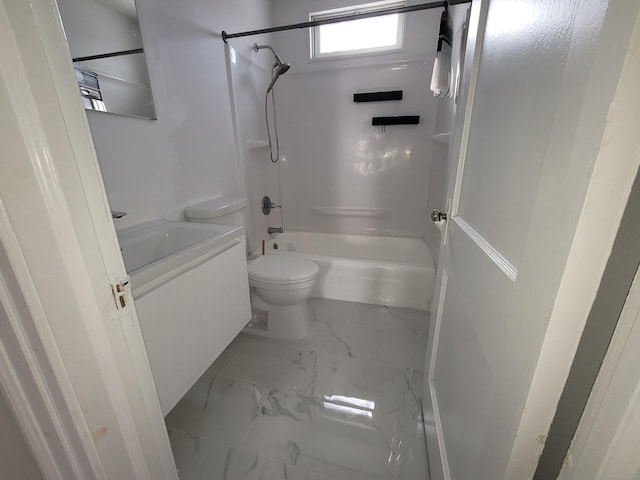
345 18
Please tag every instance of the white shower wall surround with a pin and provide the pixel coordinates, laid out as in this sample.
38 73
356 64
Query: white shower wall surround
249 75
340 174
333 157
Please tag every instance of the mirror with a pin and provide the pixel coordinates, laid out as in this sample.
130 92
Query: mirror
106 46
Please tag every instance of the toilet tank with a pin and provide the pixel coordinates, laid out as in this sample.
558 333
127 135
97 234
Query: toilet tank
220 210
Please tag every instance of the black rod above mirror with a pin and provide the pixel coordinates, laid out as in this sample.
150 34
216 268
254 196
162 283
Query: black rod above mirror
108 55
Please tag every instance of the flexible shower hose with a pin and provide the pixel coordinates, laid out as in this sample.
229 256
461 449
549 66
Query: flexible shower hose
275 123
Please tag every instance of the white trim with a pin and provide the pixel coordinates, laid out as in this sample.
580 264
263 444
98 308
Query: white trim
496 257
460 136
442 448
19 392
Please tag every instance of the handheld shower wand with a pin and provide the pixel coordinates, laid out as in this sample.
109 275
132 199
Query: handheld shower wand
278 68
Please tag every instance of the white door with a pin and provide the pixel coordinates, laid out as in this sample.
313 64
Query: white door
519 263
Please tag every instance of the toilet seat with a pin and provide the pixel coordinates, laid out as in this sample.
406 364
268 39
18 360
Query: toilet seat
282 270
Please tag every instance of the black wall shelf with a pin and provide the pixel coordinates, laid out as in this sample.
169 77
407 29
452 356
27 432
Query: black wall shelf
396 120
377 96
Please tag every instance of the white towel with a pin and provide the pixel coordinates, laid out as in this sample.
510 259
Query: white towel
441 77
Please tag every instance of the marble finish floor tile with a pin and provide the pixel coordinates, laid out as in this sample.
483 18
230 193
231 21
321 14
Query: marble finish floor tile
204 459
343 403
392 319
222 409
335 435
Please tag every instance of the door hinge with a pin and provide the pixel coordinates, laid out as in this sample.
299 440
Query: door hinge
119 290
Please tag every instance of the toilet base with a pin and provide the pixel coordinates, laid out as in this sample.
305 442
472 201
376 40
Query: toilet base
291 322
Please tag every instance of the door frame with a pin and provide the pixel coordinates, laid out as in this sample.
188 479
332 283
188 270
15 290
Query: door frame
600 212
73 365
612 178
606 438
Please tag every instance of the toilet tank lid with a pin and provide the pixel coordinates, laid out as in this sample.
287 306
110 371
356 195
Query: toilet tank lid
215 207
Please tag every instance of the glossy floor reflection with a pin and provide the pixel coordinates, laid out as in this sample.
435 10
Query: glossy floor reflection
344 403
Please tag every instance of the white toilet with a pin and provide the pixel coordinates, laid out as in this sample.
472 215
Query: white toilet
281 286
280 283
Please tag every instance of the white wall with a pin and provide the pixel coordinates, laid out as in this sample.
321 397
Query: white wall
333 157
153 168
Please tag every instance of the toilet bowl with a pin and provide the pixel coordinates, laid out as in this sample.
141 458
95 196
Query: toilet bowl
280 286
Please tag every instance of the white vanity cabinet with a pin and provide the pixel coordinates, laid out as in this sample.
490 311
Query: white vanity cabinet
190 319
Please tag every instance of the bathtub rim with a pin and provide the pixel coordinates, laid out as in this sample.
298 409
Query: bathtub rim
274 239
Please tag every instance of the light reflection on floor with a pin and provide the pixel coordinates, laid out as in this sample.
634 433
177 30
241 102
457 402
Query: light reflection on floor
344 403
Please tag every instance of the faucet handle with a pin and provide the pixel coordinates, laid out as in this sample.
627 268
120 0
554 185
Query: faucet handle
268 205
117 214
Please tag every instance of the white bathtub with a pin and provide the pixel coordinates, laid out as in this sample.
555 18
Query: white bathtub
389 271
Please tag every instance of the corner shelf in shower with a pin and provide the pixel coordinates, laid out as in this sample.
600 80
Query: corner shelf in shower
444 138
257 144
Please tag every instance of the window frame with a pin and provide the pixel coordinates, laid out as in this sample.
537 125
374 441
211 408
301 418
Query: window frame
314 32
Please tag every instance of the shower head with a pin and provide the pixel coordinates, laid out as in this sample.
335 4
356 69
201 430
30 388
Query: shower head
280 66
280 69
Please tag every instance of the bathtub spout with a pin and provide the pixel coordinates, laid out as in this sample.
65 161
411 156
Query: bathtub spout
272 230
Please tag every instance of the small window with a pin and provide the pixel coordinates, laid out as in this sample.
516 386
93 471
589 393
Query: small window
356 37
90 89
